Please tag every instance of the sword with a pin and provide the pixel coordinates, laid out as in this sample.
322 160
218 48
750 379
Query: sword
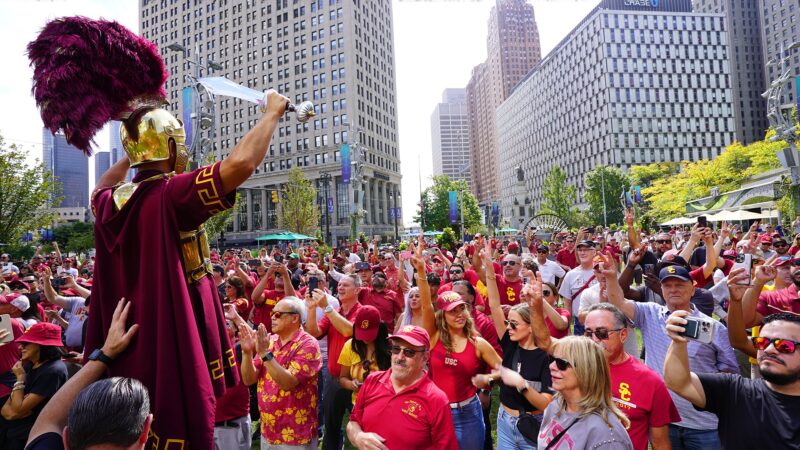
226 87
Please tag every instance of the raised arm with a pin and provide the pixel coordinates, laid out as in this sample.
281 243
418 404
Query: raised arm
495 311
613 289
736 328
633 236
248 154
50 293
711 255
258 292
115 174
533 293
342 325
694 238
764 274
676 365
626 277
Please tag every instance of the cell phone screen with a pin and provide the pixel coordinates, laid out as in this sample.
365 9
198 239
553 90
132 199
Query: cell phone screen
702 221
692 328
313 283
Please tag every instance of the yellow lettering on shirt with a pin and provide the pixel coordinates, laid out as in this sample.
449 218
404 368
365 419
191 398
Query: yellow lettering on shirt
512 296
624 392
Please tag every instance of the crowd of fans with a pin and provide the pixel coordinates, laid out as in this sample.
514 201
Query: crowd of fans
679 338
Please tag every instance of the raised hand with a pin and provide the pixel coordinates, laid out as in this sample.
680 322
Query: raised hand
247 339
119 338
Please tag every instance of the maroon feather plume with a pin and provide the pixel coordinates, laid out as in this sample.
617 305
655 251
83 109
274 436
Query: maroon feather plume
86 72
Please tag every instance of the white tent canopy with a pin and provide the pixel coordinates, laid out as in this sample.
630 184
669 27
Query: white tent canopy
679 221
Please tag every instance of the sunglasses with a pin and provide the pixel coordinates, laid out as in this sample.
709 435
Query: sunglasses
407 352
561 364
781 245
781 345
663 241
601 333
508 263
546 293
456 272
541 251
279 314
511 323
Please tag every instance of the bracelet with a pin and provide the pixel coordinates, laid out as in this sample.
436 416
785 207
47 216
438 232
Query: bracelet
18 388
19 383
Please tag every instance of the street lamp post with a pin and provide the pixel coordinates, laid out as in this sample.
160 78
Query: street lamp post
326 179
603 189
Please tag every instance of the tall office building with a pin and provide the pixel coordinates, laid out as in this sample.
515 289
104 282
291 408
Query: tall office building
338 54
743 25
115 146
69 166
627 86
450 136
102 161
512 50
779 30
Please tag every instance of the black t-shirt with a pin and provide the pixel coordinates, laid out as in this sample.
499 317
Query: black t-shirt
46 441
533 365
45 381
751 415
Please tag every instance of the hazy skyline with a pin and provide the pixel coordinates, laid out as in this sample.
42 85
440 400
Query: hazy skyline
436 45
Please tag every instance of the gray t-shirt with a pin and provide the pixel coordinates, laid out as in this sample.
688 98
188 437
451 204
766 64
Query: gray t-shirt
590 432
75 315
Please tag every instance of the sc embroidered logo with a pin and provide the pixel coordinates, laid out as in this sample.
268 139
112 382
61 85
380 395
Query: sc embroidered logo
411 408
364 324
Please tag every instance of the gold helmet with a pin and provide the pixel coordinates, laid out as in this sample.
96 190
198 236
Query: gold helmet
145 136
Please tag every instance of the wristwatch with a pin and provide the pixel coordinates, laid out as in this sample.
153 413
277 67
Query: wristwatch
328 309
98 355
268 357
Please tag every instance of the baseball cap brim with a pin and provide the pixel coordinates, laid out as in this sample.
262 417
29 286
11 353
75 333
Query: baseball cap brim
366 335
408 339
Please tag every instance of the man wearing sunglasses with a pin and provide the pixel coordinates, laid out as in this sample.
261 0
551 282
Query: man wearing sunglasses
550 269
509 282
756 304
578 280
402 407
761 413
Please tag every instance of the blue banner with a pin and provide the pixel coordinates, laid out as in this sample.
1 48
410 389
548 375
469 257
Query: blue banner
453 196
391 213
330 205
344 155
797 90
188 107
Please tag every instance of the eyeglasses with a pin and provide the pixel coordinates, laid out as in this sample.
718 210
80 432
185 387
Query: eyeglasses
546 293
279 314
508 263
541 251
456 272
663 241
228 286
561 364
407 352
600 333
782 244
511 323
781 345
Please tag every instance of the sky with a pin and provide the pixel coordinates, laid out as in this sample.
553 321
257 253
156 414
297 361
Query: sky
437 43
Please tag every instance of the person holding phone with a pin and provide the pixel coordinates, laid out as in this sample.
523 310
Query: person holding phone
696 429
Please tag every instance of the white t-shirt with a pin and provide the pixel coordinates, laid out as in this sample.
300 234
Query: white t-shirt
353 258
573 281
550 270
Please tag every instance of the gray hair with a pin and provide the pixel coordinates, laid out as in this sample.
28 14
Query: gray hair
297 306
620 321
110 411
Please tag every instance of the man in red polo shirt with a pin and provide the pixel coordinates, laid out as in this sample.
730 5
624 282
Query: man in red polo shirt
264 299
567 256
389 303
401 407
757 304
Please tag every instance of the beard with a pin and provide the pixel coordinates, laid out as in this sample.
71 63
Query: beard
780 379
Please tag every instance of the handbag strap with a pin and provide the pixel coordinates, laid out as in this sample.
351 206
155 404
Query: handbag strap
559 435
583 288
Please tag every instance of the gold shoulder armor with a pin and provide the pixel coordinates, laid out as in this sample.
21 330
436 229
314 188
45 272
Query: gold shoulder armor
123 193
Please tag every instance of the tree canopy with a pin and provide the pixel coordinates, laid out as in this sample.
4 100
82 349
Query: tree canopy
560 197
436 205
299 211
610 181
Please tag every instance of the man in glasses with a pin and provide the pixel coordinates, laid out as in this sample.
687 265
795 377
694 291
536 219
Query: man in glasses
550 270
781 246
567 256
752 413
757 304
285 365
509 282
578 280
401 407
697 429
662 243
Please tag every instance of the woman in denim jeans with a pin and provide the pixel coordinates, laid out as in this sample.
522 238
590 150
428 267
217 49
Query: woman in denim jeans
459 357
525 375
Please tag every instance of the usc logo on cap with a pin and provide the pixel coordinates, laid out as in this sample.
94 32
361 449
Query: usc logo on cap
450 297
364 324
671 269
408 328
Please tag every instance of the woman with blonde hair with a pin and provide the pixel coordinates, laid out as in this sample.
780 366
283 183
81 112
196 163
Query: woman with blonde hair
582 412
413 312
459 357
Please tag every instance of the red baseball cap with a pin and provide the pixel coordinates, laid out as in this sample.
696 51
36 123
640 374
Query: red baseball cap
448 301
513 247
413 335
366 323
766 239
42 333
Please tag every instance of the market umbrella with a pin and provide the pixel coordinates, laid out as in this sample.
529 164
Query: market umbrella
679 221
285 236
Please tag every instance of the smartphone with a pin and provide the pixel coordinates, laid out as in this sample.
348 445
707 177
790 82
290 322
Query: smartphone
405 255
699 329
745 261
254 262
628 200
702 221
313 283
278 258
648 268
58 282
5 324
590 230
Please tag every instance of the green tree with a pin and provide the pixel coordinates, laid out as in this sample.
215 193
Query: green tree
609 180
76 237
299 211
559 197
447 239
25 192
436 205
645 175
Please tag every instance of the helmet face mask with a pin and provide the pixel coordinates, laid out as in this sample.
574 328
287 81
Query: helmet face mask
145 136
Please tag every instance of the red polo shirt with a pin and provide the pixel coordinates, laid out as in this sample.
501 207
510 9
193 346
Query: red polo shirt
773 302
567 257
416 417
389 303
262 312
336 340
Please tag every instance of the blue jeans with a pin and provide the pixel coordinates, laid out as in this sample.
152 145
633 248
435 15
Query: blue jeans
508 436
688 439
468 422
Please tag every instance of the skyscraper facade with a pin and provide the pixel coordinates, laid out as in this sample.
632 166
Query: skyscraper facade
627 86
102 161
450 136
512 50
338 54
779 30
743 26
69 166
115 147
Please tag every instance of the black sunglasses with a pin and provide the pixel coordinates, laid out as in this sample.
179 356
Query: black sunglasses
561 364
781 244
781 345
511 323
409 353
508 263
455 272
279 314
542 251
663 241
546 293
601 333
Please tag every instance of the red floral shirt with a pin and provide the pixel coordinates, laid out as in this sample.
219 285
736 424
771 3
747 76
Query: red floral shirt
290 417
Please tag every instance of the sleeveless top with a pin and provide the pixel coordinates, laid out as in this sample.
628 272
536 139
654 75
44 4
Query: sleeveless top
453 372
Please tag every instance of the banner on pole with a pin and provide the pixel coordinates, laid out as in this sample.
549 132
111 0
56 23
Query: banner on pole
345 157
453 196
187 95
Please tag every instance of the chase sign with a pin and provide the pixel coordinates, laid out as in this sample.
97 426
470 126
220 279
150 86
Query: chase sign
645 3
